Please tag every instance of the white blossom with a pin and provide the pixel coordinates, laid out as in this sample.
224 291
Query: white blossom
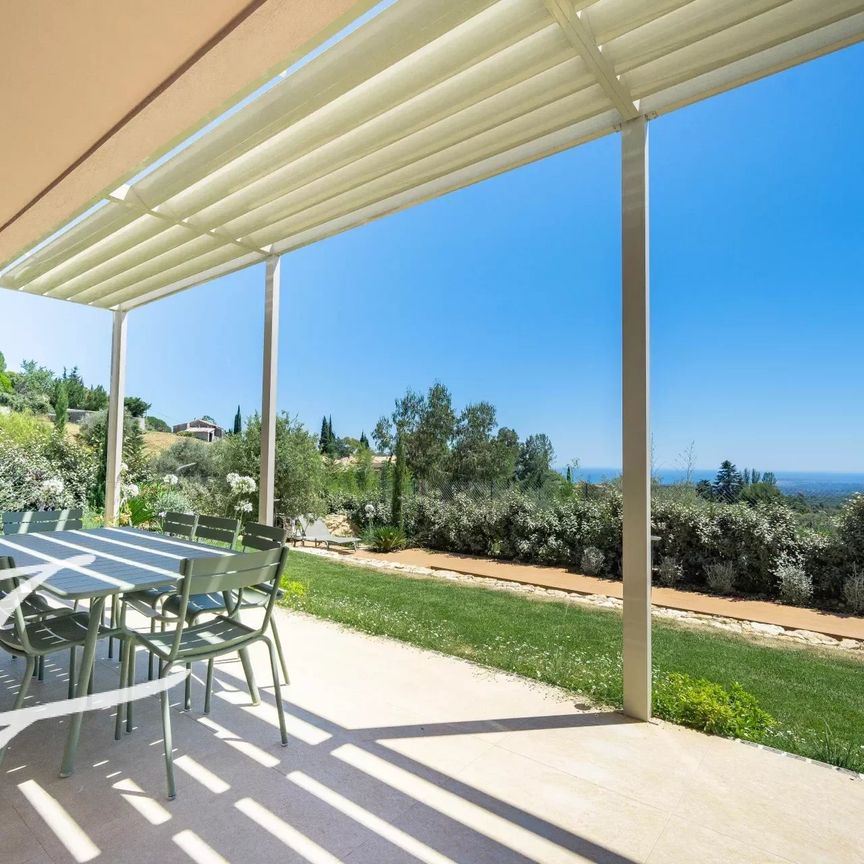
124 468
170 479
244 506
241 485
130 490
51 488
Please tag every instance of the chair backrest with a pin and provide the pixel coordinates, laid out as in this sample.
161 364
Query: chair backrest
31 521
316 529
14 637
229 575
258 536
180 524
217 528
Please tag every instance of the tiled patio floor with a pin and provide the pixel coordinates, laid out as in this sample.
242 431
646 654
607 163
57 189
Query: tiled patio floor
399 755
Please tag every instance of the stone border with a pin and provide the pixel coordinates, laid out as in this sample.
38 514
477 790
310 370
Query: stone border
753 629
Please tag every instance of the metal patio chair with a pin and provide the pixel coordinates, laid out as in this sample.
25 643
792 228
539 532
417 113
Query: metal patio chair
35 638
232 576
32 521
256 537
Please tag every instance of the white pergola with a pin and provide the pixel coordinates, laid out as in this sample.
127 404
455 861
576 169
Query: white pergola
428 97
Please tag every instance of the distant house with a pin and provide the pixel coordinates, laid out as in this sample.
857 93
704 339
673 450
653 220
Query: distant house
201 429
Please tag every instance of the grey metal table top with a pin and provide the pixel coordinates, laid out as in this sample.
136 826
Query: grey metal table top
124 559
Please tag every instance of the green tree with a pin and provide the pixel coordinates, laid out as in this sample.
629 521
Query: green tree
5 380
156 424
75 389
300 473
364 441
238 422
35 386
534 466
396 512
428 445
96 399
473 457
136 406
728 483
324 437
61 407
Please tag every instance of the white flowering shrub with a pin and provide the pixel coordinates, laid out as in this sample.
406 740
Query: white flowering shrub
794 584
721 577
240 484
592 561
853 591
669 572
171 480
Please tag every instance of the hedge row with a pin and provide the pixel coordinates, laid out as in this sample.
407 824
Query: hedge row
755 541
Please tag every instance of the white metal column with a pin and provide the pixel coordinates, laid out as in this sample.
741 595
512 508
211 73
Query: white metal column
636 419
116 410
266 492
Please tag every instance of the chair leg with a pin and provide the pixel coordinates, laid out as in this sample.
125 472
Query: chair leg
250 676
150 658
278 643
129 647
29 668
187 696
277 692
208 690
71 691
112 623
124 682
40 667
166 739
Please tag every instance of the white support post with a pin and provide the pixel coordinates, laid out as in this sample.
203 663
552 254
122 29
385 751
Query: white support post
636 419
114 450
266 493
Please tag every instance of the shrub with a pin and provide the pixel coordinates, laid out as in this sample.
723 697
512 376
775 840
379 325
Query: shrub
795 585
592 561
850 527
853 591
388 538
710 707
669 572
721 577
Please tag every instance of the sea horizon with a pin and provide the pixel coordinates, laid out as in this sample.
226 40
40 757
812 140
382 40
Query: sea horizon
790 482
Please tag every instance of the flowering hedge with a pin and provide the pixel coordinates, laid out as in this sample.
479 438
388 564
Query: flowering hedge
759 545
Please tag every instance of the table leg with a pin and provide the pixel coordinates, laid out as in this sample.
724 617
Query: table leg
97 604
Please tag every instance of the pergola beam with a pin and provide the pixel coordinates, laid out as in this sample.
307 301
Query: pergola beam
580 37
636 441
266 491
116 411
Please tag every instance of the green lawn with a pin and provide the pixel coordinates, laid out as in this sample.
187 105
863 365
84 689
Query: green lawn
816 697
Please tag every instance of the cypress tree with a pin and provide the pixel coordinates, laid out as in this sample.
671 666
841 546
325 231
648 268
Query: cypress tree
61 407
323 438
398 485
238 422
364 441
569 476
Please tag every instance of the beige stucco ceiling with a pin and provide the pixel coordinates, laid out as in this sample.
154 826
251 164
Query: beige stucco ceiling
91 90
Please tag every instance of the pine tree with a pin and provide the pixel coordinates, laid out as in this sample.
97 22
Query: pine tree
61 407
238 422
727 484
398 485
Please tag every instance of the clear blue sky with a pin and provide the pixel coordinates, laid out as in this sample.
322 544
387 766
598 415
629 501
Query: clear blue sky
509 292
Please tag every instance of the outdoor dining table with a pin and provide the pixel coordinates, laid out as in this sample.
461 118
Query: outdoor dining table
124 559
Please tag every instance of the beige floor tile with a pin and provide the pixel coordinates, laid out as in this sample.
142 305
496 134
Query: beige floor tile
684 843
